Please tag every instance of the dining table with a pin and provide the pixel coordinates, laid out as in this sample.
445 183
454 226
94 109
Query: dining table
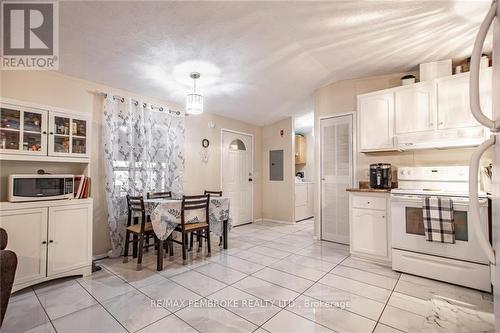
165 214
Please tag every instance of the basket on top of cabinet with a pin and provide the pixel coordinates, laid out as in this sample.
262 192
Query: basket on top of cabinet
34 132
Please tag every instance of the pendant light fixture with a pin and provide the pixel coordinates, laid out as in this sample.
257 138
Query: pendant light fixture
194 101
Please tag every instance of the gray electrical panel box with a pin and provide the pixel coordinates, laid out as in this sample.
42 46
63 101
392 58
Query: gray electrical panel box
276 165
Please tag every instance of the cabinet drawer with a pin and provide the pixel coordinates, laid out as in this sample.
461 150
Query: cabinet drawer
369 202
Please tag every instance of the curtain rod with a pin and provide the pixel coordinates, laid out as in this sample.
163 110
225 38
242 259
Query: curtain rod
136 102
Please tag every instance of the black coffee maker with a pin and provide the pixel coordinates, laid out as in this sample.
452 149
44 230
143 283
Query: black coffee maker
380 176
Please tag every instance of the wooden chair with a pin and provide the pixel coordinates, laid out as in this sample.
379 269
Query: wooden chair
138 230
212 194
193 202
159 195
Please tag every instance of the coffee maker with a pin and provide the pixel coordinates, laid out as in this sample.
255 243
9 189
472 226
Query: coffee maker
380 176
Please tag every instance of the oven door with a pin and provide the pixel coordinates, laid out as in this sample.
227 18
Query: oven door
408 229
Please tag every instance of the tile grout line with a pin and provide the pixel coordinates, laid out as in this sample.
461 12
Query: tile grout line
44 310
385 306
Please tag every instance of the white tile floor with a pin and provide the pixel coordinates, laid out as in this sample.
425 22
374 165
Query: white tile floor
273 278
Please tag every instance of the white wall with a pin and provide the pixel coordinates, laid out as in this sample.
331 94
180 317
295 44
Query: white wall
54 89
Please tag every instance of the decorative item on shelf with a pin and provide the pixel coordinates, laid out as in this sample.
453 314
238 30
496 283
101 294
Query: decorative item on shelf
407 79
194 101
204 151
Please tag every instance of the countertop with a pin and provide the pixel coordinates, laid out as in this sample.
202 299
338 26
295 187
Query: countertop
372 190
303 183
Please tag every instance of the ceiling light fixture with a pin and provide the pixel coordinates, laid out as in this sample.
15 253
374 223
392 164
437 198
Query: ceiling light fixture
194 101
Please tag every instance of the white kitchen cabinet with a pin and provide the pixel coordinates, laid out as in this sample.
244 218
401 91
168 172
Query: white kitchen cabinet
68 135
370 231
23 130
35 132
414 108
453 106
27 237
69 238
376 121
51 239
304 200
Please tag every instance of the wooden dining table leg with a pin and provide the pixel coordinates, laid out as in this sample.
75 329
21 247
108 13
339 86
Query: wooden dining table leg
224 234
159 257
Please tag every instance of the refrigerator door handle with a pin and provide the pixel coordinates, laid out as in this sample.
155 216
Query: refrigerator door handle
475 102
474 212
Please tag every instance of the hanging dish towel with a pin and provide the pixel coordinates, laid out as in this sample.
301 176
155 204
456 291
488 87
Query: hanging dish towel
438 219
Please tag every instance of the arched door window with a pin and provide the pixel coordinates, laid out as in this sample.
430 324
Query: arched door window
237 144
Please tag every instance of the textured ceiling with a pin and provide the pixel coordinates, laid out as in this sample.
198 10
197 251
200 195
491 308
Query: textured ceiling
259 61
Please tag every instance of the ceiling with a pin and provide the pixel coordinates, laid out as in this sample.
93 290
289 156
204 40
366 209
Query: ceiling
259 61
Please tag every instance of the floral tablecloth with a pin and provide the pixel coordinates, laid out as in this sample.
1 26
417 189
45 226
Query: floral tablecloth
166 215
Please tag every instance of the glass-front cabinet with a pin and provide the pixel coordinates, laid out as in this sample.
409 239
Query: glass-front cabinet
28 130
68 135
23 130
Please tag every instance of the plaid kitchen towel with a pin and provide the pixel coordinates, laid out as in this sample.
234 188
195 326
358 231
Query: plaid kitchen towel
438 219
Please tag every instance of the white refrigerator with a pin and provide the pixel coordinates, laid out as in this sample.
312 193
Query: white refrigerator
492 21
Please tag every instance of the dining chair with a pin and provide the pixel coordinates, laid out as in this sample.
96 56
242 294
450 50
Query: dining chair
212 194
159 195
135 206
189 203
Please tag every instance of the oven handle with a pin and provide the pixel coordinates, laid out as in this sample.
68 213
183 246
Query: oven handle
474 198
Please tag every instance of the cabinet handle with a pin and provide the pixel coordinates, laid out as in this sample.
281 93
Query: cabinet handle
51 133
44 242
383 216
44 132
51 241
368 202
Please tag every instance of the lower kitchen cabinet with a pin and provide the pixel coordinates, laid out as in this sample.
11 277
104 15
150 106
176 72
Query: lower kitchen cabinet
51 241
304 200
370 234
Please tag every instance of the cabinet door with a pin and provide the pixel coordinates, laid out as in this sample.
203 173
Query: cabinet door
27 232
414 108
69 135
69 238
369 232
453 100
376 122
23 130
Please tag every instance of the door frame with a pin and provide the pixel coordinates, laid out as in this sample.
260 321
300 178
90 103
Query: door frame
222 130
319 168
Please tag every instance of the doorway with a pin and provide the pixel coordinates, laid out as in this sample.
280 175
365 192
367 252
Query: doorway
237 174
337 174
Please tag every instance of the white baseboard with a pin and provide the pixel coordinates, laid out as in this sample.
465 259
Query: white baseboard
99 256
277 221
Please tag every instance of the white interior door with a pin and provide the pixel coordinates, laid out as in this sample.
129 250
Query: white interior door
336 176
237 176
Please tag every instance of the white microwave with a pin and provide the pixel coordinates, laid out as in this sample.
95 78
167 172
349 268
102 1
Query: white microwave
40 187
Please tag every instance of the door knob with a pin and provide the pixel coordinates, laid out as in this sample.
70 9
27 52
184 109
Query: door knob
250 179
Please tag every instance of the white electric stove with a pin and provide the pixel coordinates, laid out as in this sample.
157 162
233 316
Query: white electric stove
463 263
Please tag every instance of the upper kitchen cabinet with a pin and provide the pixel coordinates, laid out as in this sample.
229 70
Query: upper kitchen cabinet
414 108
23 130
68 135
453 108
300 149
42 133
376 121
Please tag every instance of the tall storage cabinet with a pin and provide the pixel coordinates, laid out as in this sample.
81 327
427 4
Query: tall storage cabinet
51 238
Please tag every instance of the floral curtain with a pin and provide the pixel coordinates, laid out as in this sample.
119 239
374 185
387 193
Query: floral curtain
143 151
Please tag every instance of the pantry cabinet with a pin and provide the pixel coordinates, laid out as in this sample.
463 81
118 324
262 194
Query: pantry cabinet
42 133
27 232
23 130
376 122
68 135
300 149
370 229
50 238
